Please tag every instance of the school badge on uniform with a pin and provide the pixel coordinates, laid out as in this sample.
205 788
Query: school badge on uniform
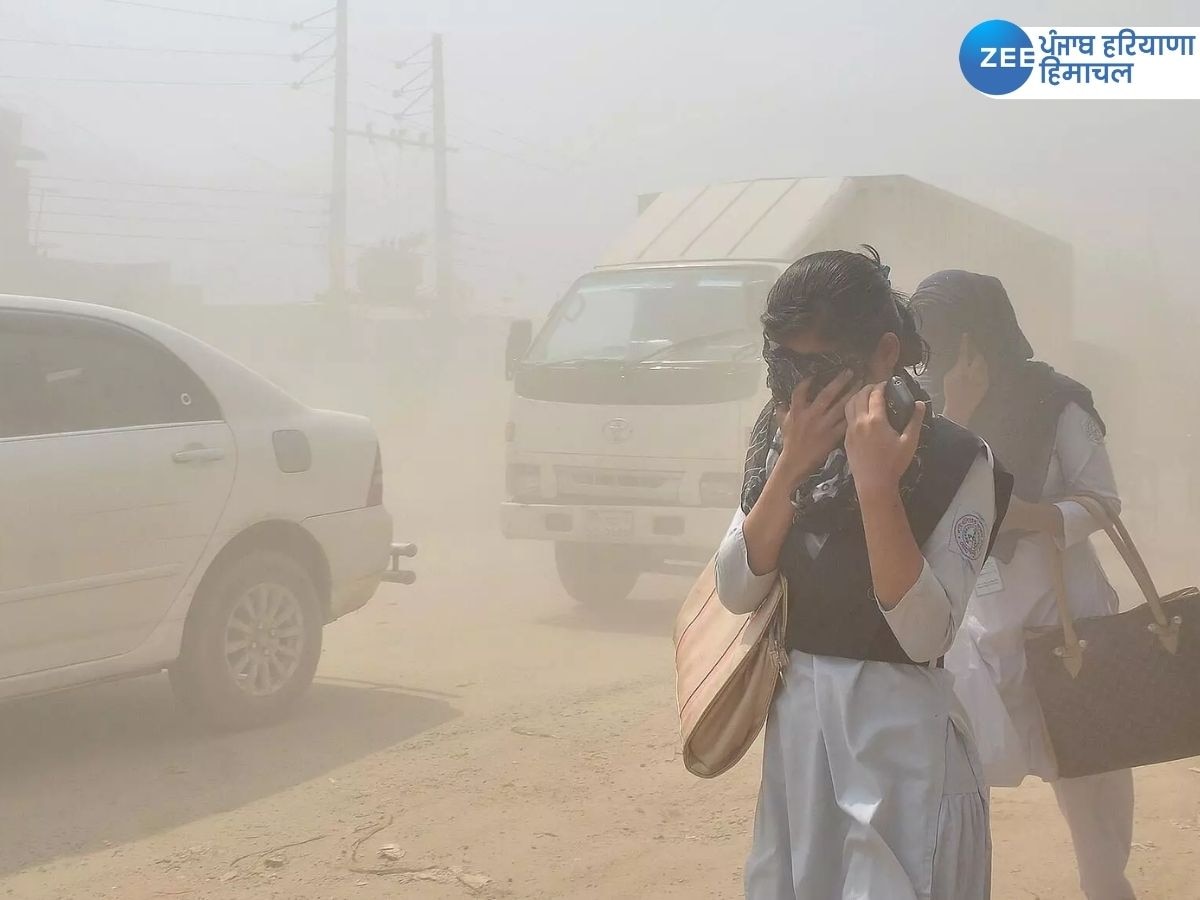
970 536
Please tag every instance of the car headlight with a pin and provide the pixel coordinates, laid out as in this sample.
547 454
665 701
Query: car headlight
523 480
721 489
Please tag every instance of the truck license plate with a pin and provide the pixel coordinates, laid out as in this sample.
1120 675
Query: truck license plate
609 523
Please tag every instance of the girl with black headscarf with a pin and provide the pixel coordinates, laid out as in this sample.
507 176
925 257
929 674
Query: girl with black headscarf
1045 429
870 784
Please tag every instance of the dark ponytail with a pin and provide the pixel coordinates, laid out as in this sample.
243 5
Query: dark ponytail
847 297
913 349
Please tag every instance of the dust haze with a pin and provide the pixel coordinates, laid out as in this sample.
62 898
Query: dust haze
481 733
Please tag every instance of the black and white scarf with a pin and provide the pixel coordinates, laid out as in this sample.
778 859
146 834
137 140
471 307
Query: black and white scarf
826 501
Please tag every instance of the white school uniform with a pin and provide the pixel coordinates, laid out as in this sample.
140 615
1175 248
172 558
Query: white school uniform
988 658
871 788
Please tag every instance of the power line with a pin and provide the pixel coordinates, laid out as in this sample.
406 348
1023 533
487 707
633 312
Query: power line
130 81
173 237
367 107
403 89
400 92
504 153
131 49
304 53
201 12
325 60
126 218
187 203
400 64
312 18
414 115
183 187
532 145
421 96
273 165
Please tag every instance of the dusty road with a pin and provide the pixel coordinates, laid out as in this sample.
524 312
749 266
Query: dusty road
473 735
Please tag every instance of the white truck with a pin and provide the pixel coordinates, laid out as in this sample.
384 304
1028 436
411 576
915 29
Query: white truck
633 404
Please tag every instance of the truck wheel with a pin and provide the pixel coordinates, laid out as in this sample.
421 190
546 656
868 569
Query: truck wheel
251 643
597 573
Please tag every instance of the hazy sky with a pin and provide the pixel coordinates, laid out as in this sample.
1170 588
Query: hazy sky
562 113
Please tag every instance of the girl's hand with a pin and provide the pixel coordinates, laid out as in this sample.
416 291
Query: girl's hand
965 385
878 455
810 430
1041 517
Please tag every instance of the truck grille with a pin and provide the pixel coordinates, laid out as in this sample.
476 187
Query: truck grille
592 485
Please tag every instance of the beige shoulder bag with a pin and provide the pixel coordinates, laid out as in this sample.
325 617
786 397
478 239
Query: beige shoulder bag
726 669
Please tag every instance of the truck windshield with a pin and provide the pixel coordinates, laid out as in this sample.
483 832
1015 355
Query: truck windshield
697 313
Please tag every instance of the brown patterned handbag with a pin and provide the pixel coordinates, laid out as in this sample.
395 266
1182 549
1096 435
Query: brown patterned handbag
1123 690
726 669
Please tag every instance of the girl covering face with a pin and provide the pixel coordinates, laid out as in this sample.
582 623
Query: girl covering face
871 787
1045 428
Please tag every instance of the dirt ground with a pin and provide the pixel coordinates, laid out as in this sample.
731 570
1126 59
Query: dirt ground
474 735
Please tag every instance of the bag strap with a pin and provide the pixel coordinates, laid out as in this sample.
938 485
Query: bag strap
1071 651
1167 630
1100 510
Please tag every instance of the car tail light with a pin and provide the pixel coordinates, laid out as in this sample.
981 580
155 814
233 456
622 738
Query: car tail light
375 493
721 489
523 480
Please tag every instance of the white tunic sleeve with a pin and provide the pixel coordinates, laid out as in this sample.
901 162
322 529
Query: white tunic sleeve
927 617
738 587
1085 466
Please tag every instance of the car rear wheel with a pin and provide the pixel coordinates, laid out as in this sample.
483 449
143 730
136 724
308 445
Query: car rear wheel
252 642
597 573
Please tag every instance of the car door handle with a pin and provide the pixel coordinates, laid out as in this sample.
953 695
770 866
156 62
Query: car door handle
199 454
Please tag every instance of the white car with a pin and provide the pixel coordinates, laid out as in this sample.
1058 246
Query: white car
161 506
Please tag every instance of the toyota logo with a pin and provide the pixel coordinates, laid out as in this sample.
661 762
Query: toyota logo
617 430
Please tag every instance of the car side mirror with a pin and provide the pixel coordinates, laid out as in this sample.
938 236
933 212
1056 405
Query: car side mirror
520 336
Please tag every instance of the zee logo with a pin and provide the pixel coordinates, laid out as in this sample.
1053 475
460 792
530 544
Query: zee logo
1007 58
996 57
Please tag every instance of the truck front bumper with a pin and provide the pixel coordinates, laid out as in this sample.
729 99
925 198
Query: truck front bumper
661 526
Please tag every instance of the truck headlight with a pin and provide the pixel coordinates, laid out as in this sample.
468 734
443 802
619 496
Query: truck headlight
721 489
523 480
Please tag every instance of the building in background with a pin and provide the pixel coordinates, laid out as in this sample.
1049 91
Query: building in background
28 268
16 252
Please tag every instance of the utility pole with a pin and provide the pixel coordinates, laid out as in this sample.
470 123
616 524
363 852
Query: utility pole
444 262
337 191
37 223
